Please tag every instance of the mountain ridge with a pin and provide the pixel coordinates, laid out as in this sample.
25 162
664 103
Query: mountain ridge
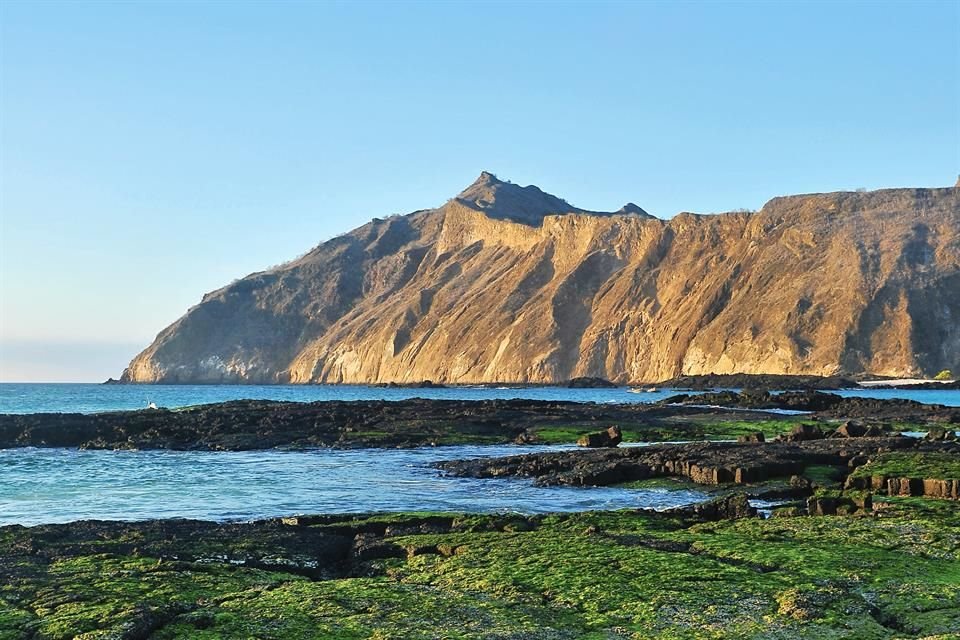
504 283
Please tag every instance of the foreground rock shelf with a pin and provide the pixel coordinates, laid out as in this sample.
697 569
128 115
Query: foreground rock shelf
858 548
592 575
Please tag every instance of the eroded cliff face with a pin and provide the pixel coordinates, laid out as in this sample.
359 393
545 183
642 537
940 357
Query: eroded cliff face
509 284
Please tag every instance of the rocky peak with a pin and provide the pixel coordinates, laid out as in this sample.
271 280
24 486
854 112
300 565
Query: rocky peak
504 200
631 208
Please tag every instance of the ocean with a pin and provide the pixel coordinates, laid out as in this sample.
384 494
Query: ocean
93 398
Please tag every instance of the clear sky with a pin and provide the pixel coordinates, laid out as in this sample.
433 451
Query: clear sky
152 152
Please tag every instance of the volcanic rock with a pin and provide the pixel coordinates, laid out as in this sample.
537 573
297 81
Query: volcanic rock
609 438
508 283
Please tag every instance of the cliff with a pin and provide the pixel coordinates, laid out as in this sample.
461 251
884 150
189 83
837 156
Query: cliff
508 283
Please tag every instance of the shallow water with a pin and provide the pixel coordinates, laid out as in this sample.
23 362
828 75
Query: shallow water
40 486
89 398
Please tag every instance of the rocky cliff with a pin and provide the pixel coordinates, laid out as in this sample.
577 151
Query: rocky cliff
507 283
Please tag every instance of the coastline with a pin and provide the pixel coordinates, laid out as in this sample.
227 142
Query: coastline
261 424
839 485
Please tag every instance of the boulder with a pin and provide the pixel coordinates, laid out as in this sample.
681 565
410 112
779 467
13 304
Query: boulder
429 384
751 438
589 383
939 433
609 438
853 429
827 505
729 507
857 461
803 432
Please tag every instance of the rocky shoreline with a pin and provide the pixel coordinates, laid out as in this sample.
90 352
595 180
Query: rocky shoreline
261 424
639 574
759 381
862 542
710 463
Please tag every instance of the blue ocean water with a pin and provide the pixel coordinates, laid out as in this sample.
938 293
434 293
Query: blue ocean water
60 485
90 398
39 486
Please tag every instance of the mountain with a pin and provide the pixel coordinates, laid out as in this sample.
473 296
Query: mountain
510 284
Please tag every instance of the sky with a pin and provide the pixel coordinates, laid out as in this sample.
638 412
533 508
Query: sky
151 152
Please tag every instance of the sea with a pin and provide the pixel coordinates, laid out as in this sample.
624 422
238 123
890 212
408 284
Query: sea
42 486
95 398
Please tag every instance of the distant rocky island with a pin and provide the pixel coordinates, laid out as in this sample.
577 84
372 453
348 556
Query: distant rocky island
505 283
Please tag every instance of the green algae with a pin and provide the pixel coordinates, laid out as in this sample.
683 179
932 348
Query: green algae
940 466
602 575
769 428
825 475
590 575
100 595
671 430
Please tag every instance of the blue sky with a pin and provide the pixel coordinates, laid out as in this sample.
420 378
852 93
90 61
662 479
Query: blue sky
152 152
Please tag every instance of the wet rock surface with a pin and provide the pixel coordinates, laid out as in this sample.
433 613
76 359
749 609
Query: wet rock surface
260 424
823 404
557 576
588 382
925 473
702 462
609 438
759 381
732 507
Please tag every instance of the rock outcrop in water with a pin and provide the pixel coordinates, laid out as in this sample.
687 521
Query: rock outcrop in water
508 283
263 424
710 463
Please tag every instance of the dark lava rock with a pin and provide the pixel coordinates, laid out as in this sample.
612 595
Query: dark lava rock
702 462
761 399
589 383
803 432
759 381
939 433
262 424
838 505
857 461
609 438
730 507
922 386
266 544
429 384
423 384
851 429
369 546
827 405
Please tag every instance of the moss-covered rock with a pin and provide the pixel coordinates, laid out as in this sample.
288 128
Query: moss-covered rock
928 474
591 575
